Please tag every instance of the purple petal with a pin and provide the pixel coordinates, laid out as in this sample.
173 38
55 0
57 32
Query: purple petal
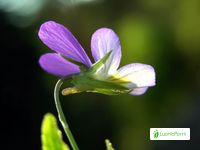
139 91
103 41
138 75
60 39
54 64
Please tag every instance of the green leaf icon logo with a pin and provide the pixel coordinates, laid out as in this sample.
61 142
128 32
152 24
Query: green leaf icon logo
156 134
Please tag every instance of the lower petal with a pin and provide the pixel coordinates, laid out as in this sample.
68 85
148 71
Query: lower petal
54 64
136 75
138 91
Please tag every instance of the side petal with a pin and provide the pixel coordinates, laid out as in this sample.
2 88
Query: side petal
54 64
60 39
138 91
136 75
103 41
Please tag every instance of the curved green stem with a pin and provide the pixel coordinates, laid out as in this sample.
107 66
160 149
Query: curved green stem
62 116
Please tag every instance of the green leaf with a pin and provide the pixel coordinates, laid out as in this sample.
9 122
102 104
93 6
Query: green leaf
109 145
51 136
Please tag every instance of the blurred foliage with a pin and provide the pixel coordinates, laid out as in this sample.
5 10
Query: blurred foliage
187 22
51 136
164 34
109 145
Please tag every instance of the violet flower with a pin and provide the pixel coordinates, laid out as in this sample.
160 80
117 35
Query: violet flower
71 61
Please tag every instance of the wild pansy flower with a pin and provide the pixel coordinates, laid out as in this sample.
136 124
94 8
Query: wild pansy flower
103 76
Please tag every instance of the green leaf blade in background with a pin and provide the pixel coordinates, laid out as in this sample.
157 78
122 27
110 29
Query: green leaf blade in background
51 136
109 145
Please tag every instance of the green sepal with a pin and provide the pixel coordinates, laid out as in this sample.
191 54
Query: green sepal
89 84
110 91
51 136
82 67
94 67
100 63
109 145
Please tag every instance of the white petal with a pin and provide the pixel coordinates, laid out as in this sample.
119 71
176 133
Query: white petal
139 91
137 75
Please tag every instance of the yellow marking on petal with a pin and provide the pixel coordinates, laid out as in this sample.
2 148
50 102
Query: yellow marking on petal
117 78
122 80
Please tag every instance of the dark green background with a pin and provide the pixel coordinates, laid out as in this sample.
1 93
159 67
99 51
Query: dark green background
164 34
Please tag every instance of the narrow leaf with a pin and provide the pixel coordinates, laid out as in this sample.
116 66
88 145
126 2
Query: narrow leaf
51 136
99 63
109 145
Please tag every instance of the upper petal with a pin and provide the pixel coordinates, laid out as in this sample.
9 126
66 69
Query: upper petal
136 75
54 64
60 39
103 41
